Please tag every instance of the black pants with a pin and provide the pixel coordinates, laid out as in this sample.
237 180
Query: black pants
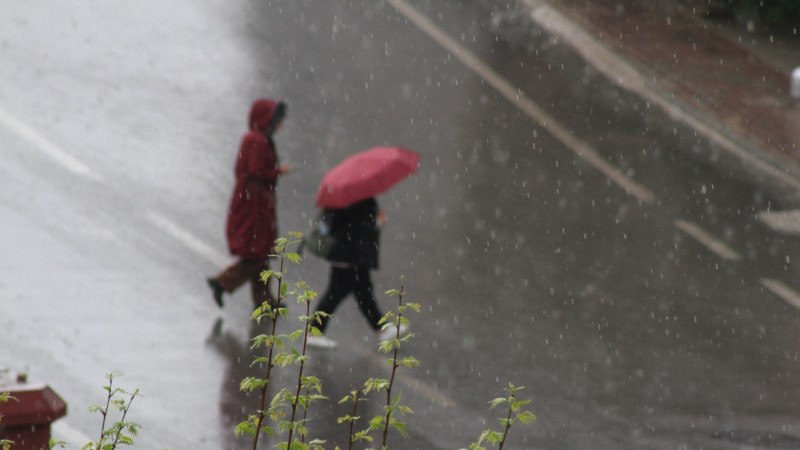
342 282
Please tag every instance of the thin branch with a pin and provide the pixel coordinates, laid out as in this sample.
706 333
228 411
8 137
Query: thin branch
299 376
104 412
270 364
394 367
122 421
353 420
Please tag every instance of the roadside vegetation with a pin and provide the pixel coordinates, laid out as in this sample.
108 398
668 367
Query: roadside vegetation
283 417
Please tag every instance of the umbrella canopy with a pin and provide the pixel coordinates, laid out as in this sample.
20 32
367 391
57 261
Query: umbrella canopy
365 175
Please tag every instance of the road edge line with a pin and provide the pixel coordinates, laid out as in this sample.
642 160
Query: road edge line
523 102
702 236
630 78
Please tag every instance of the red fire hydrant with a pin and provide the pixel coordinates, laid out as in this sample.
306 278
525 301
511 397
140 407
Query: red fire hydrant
27 416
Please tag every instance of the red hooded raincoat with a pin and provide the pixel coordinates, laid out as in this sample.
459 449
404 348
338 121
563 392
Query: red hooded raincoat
251 226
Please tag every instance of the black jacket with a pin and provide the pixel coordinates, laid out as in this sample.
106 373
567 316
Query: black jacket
357 234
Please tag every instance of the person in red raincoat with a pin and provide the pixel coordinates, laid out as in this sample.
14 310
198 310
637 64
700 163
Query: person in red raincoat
251 226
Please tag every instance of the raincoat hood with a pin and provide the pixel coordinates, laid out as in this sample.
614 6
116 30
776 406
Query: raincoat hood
265 115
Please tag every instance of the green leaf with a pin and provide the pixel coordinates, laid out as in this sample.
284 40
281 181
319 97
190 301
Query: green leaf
401 427
252 383
245 427
516 406
498 401
362 436
386 346
376 423
347 419
494 437
409 362
296 335
526 417
375 384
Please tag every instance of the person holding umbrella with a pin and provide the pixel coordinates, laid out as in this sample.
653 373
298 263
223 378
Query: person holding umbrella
347 193
251 226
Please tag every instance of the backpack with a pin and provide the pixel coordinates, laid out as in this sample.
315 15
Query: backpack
320 239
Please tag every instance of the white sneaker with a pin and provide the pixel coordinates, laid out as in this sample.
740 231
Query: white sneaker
321 342
390 332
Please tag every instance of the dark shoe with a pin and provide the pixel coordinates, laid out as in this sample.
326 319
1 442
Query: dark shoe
217 291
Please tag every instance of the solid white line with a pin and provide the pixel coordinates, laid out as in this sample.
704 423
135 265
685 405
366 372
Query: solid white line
787 222
519 99
628 77
73 437
783 291
704 237
189 240
47 147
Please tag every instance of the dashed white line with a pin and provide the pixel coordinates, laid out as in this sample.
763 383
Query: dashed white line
782 290
58 155
186 238
787 222
704 237
518 98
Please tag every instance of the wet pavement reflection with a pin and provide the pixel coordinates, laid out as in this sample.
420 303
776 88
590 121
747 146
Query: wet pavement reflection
530 266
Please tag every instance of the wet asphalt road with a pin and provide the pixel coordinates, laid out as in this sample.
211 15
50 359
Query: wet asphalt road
530 265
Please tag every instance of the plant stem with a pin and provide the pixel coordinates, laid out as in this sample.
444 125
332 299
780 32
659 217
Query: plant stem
122 420
508 422
353 421
394 368
260 420
105 411
299 377
305 416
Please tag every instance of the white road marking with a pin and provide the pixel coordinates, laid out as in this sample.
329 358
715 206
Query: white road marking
403 375
628 77
704 237
73 437
188 239
787 222
782 290
525 104
58 155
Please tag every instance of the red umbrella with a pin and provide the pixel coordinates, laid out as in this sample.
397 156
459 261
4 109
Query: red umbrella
365 175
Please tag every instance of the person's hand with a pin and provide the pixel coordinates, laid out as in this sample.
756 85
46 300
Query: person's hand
382 218
285 168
